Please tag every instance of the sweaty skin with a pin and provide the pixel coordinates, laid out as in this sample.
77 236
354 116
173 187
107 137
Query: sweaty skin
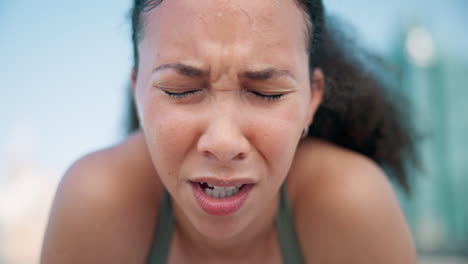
222 128
223 91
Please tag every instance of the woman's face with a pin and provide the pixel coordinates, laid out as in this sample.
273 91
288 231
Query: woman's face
223 94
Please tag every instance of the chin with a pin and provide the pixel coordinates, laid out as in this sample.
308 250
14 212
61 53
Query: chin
221 229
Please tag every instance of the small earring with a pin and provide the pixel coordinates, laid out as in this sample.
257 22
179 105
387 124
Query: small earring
305 132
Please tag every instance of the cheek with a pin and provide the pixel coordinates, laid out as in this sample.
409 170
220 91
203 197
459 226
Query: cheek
170 135
276 135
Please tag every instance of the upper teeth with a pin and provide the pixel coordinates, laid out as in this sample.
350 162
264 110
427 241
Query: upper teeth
221 192
222 188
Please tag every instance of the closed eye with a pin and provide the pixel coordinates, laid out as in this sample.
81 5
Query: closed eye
182 94
268 97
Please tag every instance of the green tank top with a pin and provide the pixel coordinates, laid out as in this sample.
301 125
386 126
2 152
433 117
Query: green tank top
290 251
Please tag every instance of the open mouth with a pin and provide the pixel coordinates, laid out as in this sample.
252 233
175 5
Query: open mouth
220 200
220 192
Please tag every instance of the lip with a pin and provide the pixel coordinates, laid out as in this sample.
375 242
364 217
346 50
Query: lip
221 206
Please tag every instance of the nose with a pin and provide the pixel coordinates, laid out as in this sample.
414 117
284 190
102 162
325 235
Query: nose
223 140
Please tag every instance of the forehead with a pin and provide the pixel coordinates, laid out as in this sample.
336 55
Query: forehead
259 29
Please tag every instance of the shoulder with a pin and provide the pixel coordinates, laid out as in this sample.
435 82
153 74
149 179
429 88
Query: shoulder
105 207
345 209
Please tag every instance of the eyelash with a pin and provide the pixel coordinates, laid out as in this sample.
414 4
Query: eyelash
266 97
181 95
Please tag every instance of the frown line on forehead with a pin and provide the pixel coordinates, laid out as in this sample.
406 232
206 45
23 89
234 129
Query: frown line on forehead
263 74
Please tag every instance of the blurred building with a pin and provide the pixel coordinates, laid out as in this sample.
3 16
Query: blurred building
435 82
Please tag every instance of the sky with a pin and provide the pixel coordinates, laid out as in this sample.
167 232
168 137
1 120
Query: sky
65 67
64 81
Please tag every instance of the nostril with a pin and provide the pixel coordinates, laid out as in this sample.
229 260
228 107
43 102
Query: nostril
207 154
223 147
240 156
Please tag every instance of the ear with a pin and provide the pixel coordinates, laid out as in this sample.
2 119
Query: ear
316 94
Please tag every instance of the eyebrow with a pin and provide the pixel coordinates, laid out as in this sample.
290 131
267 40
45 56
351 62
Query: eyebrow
269 73
194 72
187 70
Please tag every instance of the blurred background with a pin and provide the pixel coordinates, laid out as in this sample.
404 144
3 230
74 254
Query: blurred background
64 75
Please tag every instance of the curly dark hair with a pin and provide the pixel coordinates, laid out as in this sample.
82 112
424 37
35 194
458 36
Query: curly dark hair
358 111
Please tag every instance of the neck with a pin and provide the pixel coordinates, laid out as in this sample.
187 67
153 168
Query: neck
254 236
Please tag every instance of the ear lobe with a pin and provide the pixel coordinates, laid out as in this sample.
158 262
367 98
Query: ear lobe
316 94
133 79
318 80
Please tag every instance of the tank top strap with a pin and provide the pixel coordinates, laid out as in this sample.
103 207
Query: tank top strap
160 248
290 250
